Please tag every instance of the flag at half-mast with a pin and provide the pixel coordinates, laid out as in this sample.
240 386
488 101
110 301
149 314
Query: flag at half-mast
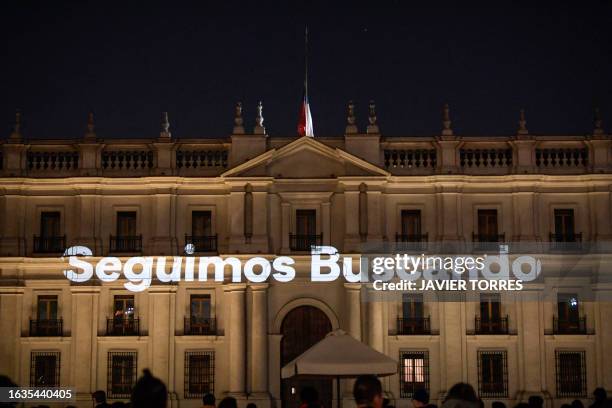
305 127
305 123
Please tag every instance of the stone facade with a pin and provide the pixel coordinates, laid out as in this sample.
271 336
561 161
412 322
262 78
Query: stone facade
253 186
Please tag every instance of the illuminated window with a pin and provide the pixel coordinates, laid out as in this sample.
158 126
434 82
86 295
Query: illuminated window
414 372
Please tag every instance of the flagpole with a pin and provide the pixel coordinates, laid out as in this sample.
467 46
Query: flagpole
306 62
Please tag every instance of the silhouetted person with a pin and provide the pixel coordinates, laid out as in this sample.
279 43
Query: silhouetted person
387 403
251 405
149 392
566 406
208 401
228 402
7 382
420 398
99 398
535 401
118 404
461 395
577 404
600 396
522 405
498 404
309 397
368 392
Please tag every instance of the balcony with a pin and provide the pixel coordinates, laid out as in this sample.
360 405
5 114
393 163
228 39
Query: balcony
497 325
569 326
126 244
46 327
304 242
49 245
198 326
413 325
202 243
487 242
565 241
411 242
123 327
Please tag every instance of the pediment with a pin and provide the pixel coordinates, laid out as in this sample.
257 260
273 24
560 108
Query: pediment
307 158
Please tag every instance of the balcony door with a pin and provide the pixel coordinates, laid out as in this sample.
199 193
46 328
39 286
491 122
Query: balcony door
487 225
126 224
201 224
306 222
567 307
47 308
564 224
123 307
50 224
200 315
411 225
412 320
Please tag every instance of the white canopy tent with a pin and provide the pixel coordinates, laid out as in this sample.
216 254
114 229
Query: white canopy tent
340 355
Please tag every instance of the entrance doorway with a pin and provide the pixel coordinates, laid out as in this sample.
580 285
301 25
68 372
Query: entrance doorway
302 328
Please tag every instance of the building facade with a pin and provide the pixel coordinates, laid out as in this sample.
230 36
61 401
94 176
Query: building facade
254 195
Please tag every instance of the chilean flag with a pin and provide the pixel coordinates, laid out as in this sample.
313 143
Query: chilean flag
305 123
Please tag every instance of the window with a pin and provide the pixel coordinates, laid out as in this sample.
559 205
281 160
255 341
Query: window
199 373
414 372
487 226
50 224
123 307
200 322
121 374
571 374
47 307
306 222
492 374
564 225
200 306
201 223
411 225
126 223
568 307
412 305
45 369
490 307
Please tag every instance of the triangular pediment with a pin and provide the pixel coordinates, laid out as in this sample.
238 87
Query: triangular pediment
305 157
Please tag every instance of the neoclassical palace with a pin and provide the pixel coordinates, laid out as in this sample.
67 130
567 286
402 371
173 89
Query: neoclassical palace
254 195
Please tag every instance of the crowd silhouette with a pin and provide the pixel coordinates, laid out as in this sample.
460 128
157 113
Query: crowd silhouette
151 392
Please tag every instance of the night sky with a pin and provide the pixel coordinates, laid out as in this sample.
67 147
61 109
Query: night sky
128 61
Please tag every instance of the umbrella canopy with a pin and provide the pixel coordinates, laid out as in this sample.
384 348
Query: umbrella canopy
340 355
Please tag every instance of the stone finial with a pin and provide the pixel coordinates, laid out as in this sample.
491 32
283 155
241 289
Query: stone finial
597 123
522 130
238 121
90 133
446 121
16 134
351 126
372 126
164 133
259 127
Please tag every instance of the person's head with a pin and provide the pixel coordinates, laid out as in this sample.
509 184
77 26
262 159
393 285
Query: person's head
118 404
251 405
600 394
420 398
566 406
208 400
577 404
368 392
309 395
228 402
99 396
522 405
498 404
463 392
149 392
535 401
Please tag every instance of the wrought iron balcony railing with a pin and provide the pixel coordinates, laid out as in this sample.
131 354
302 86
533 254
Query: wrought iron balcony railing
123 327
569 326
49 245
46 327
202 243
416 242
565 241
198 326
413 325
299 242
125 243
487 241
497 325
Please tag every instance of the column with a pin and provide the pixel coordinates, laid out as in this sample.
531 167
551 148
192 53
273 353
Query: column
160 324
84 343
259 338
237 339
326 222
285 227
11 300
375 316
353 297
